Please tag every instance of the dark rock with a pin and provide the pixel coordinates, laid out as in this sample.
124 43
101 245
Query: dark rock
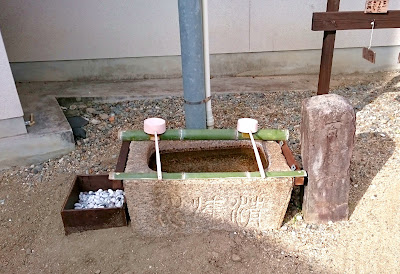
37 169
77 121
79 133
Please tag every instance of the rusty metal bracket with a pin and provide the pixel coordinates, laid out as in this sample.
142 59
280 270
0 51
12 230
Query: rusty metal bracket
198 103
121 163
291 161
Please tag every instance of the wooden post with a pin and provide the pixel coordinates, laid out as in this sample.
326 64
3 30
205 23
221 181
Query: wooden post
328 47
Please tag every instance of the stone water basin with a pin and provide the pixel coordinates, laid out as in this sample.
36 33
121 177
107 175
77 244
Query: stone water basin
161 207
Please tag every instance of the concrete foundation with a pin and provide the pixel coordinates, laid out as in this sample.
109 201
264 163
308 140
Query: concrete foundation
347 60
50 136
189 206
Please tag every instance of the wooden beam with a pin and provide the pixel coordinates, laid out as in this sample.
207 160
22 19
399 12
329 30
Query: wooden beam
328 47
347 20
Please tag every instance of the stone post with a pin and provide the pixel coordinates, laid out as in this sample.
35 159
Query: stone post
327 141
11 115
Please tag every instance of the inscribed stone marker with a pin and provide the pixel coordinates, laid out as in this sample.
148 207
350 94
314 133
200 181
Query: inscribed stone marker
327 142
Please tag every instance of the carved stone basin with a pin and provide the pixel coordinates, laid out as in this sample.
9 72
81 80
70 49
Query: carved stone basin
189 206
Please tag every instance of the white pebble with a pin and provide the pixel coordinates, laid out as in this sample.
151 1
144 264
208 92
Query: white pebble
100 199
299 218
119 192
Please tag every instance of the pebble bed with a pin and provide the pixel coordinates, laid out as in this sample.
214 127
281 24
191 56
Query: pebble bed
100 199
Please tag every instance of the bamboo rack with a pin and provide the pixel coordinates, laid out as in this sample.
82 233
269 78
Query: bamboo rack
206 175
206 134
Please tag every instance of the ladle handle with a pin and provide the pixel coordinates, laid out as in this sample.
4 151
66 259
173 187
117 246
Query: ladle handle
158 162
258 159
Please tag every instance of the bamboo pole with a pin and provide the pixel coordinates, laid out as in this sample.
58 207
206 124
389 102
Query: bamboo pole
206 134
206 175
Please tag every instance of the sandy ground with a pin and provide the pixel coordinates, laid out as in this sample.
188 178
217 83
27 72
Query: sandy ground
33 240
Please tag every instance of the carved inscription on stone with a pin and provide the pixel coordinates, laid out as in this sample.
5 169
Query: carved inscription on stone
376 6
248 211
213 208
170 213
245 211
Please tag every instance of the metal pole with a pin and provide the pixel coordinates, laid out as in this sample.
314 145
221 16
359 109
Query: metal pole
191 33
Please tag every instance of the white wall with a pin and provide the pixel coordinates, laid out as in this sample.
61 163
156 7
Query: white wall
74 29
10 106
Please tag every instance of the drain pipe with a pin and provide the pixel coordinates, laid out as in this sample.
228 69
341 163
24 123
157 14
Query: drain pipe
192 54
206 47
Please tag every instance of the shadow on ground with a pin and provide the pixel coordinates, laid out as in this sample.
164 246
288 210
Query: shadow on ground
372 150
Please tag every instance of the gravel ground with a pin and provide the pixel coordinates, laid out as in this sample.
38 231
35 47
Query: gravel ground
31 197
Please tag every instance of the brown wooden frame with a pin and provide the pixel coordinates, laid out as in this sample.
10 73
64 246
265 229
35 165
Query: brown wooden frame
333 20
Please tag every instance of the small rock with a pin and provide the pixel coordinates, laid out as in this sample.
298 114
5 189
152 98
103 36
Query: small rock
79 133
95 122
2 202
104 116
214 254
299 218
111 119
71 113
97 271
236 258
37 169
90 110
28 251
284 228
